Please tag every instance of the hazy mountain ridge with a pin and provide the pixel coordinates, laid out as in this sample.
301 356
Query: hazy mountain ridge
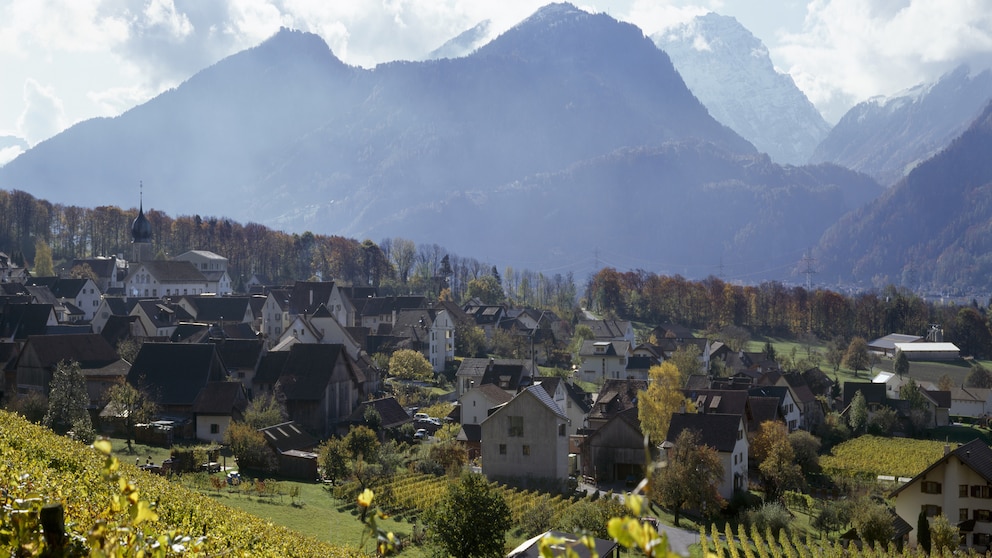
568 132
686 207
886 137
933 229
730 71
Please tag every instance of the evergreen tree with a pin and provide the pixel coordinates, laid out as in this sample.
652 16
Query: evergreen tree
923 531
901 365
68 400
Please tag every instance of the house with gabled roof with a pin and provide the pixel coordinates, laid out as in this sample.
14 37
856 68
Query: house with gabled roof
158 317
41 354
109 271
971 402
213 267
610 330
158 278
322 384
392 415
727 434
219 309
111 306
18 321
614 397
216 406
240 357
525 441
959 486
616 451
570 398
485 316
384 310
603 359
790 411
276 315
345 302
172 374
471 371
478 402
83 294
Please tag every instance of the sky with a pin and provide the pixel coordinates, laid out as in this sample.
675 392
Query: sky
65 61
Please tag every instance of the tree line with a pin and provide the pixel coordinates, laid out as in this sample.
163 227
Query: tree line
394 265
772 308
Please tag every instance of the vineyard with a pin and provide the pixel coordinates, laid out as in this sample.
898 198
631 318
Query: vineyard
870 456
38 467
753 544
415 492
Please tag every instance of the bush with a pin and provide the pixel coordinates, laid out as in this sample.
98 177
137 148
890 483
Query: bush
771 515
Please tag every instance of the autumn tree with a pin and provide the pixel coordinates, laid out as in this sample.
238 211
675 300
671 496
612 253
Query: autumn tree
691 478
978 376
68 402
249 448
132 405
470 340
835 353
267 409
472 521
856 358
872 521
487 289
945 382
806 448
660 401
944 535
686 359
334 459
776 459
43 266
408 364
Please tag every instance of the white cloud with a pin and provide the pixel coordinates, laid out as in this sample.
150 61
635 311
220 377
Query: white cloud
850 50
8 154
43 114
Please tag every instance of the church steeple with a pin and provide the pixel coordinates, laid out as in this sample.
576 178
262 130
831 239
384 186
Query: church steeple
141 228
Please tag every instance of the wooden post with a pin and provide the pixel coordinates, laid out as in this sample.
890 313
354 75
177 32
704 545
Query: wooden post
53 522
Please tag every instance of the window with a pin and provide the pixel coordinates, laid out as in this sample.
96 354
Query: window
931 511
561 429
981 539
983 515
981 491
962 491
930 487
526 449
215 428
963 514
516 426
502 449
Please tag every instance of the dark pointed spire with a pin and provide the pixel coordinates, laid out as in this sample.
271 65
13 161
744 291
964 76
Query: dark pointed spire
141 229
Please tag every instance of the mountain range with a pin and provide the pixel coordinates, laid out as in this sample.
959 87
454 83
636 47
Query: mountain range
569 137
728 69
886 137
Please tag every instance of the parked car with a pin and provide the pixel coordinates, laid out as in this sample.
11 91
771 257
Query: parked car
420 434
421 416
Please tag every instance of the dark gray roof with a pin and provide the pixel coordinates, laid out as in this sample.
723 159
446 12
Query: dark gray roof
221 398
218 308
174 373
607 329
717 431
170 271
390 411
288 436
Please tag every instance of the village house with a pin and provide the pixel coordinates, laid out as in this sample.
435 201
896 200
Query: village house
525 441
216 406
959 486
616 450
212 266
83 294
727 435
109 272
158 319
173 374
603 360
160 278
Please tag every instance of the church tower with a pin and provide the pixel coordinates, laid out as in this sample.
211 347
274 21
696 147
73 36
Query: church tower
141 232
